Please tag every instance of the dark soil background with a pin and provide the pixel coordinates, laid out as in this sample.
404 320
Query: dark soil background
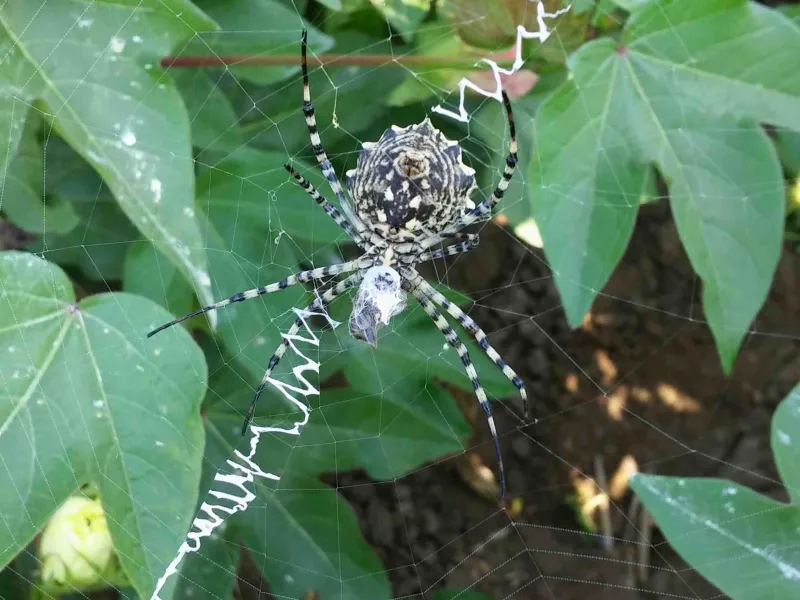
640 379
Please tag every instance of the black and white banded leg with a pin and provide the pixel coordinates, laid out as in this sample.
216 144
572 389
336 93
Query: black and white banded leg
453 250
452 338
301 277
319 303
486 206
460 236
329 209
474 329
319 151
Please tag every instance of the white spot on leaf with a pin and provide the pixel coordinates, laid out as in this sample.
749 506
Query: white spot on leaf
156 188
116 44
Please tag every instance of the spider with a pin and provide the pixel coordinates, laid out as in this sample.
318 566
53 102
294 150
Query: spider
411 191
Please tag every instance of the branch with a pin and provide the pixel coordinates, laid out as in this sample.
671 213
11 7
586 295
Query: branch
325 60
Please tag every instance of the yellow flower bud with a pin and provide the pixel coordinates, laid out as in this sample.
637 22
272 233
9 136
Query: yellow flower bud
794 196
76 548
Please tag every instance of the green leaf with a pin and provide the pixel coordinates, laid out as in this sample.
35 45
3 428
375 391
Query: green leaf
147 274
22 189
211 571
432 39
97 245
631 5
214 122
335 561
92 68
255 185
485 24
689 110
792 11
729 56
243 23
87 398
726 193
788 145
412 90
302 536
387 434
586 178
404 15
13 113
338 97
785 440
744 543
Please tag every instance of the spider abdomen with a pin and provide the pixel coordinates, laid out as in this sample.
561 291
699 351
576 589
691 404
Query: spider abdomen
410 183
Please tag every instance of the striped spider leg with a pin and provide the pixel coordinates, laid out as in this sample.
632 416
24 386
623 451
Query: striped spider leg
452 338
453 250
469 324
301 277
316 145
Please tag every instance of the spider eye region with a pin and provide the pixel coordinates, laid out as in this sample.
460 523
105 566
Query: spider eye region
379 298
411 182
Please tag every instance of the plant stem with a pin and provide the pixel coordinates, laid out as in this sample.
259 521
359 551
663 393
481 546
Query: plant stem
326 60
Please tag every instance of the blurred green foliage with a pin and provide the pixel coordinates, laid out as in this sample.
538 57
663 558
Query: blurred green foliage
151 191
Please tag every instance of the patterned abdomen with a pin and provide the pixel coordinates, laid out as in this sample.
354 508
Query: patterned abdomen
410 182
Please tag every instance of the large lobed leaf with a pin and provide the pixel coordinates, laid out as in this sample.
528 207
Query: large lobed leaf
93 68
746 544
84 398
684 91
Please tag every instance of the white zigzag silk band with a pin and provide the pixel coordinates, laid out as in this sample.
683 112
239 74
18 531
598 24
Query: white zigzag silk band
522 34
229 493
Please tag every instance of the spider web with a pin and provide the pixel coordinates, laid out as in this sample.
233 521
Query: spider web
331 501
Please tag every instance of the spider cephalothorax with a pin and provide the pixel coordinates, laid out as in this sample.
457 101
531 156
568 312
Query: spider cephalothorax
410 183
411 192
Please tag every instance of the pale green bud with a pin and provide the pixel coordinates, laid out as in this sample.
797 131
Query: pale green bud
76 548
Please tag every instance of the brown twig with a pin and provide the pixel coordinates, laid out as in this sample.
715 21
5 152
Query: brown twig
646 527
326 60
